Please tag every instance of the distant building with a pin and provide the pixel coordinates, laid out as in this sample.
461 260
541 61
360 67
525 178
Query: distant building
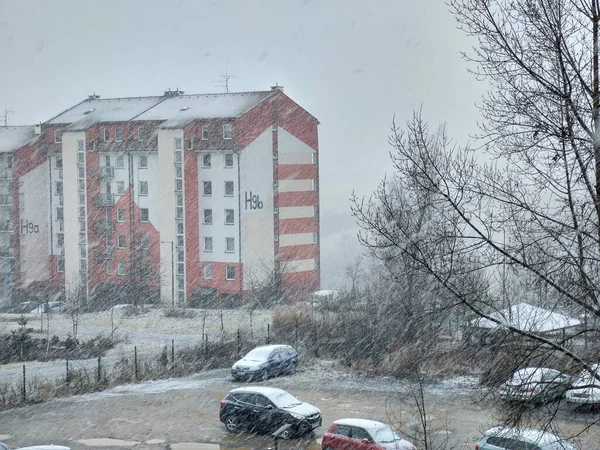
182 194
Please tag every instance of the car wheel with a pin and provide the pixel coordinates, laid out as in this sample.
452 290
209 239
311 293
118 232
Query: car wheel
292 370
264 376
286 434
303 428
232 424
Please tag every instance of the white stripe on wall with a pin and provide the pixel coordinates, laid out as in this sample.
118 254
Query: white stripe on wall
285 240
301 265
295 185
296 212
295 158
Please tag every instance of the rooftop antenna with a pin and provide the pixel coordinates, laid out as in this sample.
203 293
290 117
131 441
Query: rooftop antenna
6 113
224 83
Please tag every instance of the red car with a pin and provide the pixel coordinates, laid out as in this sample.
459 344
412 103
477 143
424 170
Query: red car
361 434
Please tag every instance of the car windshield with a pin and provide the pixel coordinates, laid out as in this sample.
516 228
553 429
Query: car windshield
384 434
285 400
258 354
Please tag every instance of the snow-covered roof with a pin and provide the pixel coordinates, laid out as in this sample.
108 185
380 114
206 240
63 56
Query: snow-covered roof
530 435
268 392
174 111
526 317
94 110
326 293
11 138
179 110
361 423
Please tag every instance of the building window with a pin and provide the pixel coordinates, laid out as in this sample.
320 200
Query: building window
275 155
205 129
143 188
188 144
60 265
121 268
179 212
314 185
120 187
59 164
82 211
59 188
207 217
145 242
275 183
121 241
228 159
180 228
207 188
178 171
229 189
227 131
106 134
180 268
180 255
109 267
80 172
314 238
208 244
60 214
208 272
82 226
229 217
314 157
177 143
143 161
60 239
82 252
178 157
229 245
118 134
58 136
179 241
120 214
229 273
82 265
206 160
141 134
120 161
144 215
179 199
91 146
179 185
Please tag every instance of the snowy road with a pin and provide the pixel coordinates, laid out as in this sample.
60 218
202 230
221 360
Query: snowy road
155 414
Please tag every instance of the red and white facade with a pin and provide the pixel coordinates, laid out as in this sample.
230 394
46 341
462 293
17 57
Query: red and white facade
185 193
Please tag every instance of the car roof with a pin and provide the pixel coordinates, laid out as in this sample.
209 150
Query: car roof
272 346
362 423
269 392
530 435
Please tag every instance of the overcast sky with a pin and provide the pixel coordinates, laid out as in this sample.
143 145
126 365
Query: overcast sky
353 65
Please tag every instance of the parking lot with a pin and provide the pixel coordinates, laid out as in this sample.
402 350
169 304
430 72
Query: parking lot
179 413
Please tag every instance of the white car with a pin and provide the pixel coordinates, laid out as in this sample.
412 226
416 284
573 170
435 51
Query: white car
586 388
538 384
507 438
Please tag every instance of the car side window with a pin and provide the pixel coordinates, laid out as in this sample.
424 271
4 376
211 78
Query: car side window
261 400
359 433
552 375
343 430
244 398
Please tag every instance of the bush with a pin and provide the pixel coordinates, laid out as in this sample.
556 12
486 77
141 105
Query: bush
179 313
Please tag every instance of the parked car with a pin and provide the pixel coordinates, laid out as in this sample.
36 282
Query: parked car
361 434
36 447
265 409
266 361
507 438
586 388
535 384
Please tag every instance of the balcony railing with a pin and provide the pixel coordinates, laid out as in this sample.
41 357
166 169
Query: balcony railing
6 200
106 199
104 254
107 172
104 226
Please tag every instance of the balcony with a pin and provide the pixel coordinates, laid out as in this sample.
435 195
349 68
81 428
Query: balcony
6 252
104 254
104 226
6 200
106 199
106 172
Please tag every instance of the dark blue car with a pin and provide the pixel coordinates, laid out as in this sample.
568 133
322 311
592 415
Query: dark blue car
264 362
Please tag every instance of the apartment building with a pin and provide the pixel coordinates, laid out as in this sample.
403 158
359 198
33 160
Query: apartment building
184 194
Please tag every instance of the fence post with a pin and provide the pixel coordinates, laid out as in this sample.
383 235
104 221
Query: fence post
239 343
24 391
173 355
135 363
67 372
99 375
268 333
206 347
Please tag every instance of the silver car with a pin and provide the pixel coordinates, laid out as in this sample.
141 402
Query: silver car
535 384
506 438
